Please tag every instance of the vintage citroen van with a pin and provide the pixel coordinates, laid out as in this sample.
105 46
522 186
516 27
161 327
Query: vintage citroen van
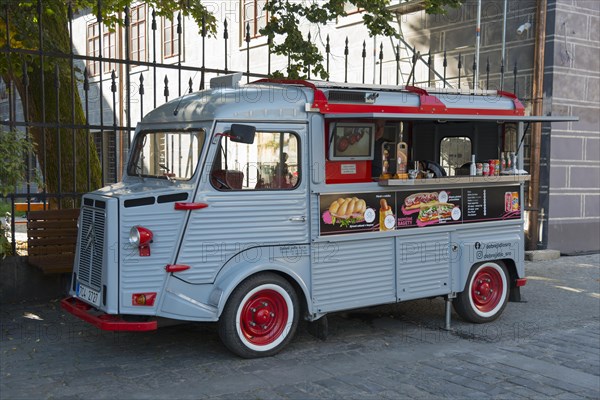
256 206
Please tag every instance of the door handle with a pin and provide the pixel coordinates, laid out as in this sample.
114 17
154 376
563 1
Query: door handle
190 206
300 218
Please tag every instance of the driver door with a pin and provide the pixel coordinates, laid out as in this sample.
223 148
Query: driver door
257 200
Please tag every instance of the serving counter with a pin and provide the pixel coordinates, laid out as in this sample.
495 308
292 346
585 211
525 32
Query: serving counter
456 180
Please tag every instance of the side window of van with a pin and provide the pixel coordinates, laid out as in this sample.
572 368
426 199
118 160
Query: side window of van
272 162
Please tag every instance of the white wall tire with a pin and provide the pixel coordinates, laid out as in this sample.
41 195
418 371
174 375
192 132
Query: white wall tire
486 293
260 316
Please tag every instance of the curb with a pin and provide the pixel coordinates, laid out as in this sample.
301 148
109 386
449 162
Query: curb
542 255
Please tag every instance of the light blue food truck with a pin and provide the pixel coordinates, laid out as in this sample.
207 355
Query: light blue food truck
255 206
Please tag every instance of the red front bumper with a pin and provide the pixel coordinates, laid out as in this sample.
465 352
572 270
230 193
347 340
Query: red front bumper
106 322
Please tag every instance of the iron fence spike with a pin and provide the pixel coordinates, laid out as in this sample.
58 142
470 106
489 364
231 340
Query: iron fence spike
99 13
141 89
113 79
86 81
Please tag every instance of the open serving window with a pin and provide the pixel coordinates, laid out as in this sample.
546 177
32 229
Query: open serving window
351 141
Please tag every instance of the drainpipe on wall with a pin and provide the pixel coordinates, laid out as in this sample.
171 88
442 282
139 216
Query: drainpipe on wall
536 128
503 62
477 43
119 143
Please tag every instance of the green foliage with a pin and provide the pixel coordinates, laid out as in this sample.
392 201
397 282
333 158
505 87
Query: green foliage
24 20
14 148
5 248
112 10
285 17
439 6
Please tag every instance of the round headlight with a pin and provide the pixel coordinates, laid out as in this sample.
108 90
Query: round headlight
140 236
134 236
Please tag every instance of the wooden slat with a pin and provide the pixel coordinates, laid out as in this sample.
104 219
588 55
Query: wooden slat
42 251
58 248
52 238
39 242
53 214
51 224
45 233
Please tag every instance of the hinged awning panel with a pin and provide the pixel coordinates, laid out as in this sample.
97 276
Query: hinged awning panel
452 117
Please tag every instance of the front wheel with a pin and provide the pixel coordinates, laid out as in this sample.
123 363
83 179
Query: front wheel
260 316
486 293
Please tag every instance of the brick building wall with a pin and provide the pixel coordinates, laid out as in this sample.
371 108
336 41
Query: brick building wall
572 86
570 154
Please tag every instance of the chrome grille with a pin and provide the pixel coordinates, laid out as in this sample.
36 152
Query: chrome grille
91 247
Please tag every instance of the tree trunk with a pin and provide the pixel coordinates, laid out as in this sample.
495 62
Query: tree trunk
68 157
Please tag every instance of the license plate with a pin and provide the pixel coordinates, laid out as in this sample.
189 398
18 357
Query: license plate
89 295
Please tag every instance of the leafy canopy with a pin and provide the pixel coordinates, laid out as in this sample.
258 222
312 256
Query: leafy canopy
13 148
285 18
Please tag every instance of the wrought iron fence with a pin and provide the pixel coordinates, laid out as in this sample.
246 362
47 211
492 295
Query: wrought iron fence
112 120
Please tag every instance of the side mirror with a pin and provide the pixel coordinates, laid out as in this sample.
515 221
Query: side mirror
242 133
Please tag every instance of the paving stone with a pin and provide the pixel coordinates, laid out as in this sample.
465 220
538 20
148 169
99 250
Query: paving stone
536 386
546 348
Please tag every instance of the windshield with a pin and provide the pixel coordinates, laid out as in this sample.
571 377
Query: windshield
166 155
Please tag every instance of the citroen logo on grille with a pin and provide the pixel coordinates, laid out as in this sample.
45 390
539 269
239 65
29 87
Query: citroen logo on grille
89 239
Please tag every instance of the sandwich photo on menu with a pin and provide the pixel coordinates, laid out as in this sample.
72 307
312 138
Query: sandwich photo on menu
420 200
435 212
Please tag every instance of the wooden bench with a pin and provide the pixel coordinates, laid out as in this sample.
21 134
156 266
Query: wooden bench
51 238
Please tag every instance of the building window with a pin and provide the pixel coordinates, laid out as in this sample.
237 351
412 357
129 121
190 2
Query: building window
254 13
138 33
93 48
454 153
109 48
170 37
106 146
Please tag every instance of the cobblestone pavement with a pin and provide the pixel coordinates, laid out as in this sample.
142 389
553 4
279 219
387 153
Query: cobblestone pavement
546 347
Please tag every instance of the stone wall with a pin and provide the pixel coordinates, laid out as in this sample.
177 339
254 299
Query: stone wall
22 283
572 87
570 154
455 33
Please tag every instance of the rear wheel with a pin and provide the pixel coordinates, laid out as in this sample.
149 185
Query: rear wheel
486 293
260 317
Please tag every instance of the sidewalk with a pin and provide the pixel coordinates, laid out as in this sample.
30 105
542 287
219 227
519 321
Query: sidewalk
546 347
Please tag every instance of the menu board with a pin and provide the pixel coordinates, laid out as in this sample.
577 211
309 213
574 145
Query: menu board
491 203
363 212
420 209
388 211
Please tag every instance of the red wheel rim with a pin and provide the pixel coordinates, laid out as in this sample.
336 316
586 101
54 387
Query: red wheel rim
486 289
264 317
